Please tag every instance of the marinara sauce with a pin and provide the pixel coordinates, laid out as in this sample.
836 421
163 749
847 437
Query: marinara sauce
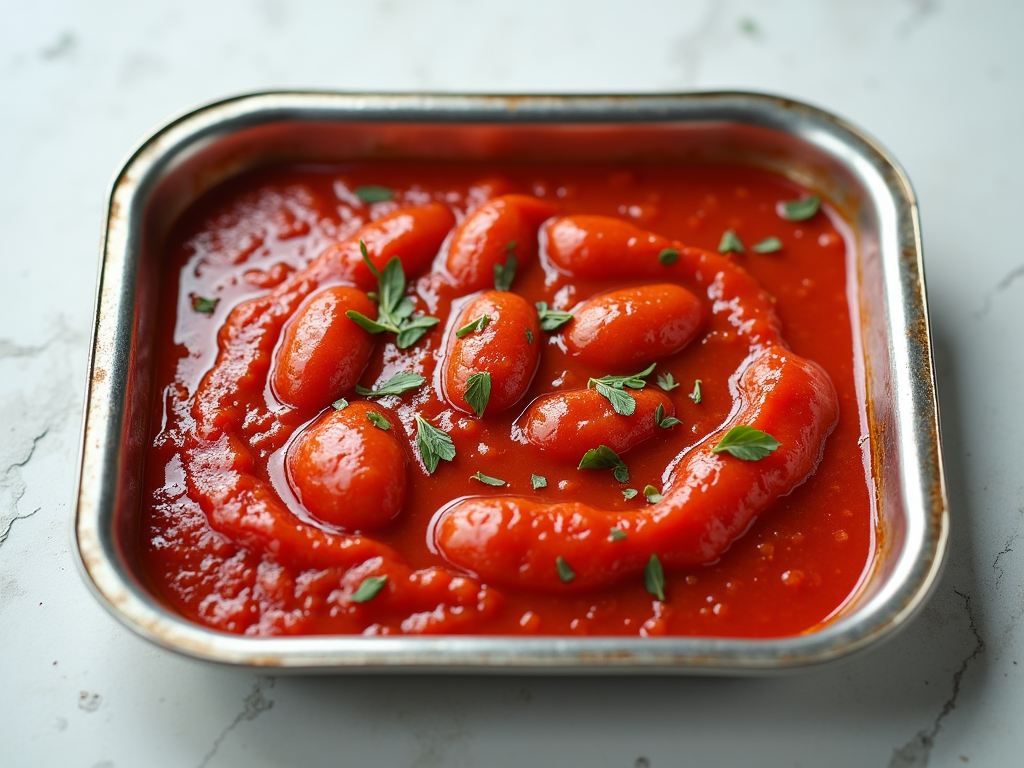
281 499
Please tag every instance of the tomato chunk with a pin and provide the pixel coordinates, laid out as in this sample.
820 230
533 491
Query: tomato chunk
566 425
634 325
322 353
347 471
506 346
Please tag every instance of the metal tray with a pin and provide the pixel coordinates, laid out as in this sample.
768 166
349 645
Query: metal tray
197 150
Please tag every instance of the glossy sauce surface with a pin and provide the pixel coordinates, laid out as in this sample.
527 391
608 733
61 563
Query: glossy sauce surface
226 538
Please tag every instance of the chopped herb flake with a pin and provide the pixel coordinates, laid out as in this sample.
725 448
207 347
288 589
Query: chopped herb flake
668 256
374 194
695 395
487 479
473 325
478 392
616 535
612 389
629 493
604 457
538 481
434 444
652 494
204 305
800 210
369 589
505 273
730 243
340 404
746 443
396 385
667 382
768 245
378 421
663 421
551 319
529 336
565 573
654 578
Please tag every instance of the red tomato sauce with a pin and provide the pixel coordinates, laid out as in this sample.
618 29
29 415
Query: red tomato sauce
243 422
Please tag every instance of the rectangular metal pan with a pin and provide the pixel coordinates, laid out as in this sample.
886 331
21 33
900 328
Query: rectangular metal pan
202 148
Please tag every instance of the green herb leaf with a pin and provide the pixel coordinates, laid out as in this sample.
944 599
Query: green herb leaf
616 535
629 493
369 589
378 421
622 403
768 245
551 319
654 578
473 325
633 380
374 194
204 305
746 443
604 457
652 494
565 573
529 336
487 479
395 310
538 481
434 444
396 385
505 273
800 210
667 382
730 243
668 256
663 421
695 395
478 392
340 404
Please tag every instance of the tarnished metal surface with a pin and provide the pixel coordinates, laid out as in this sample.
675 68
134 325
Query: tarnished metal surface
192 153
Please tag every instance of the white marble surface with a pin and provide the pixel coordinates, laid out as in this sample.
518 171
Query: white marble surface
939 82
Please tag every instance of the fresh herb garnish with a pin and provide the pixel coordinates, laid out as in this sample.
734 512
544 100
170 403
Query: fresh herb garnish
629 493
654 578
529 336
396 385
478 392
340 404
473 325
372 193
730 243
612 389
768 245
604 457
652 494
204 305
487 479
369 589
394 308
667 382
746 443
378 421
663 421
434 444
800 210
565 573
538 481
616 535
551 319
668 256
695 395
505 273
